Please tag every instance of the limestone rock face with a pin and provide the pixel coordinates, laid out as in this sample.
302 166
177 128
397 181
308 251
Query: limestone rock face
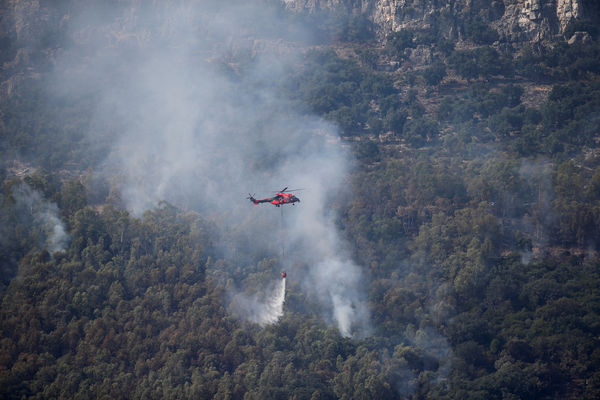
31 29
421 55
516 20
567 10
537 20
580 37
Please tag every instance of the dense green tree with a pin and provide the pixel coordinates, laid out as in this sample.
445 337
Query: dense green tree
434 74
476 224
481 33
401 40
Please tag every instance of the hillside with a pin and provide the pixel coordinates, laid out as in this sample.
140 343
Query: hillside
446 241
517 22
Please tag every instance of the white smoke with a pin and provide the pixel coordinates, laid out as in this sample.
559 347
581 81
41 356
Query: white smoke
190 96
42 216
336 281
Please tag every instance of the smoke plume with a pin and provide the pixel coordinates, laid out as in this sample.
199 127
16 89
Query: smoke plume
42 217
190 96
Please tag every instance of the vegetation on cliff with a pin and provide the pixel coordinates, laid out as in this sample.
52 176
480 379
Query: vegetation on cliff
474 214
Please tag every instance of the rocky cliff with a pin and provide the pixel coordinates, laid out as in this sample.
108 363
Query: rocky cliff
517 21
31 31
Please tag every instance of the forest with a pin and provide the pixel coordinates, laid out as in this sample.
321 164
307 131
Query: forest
468 204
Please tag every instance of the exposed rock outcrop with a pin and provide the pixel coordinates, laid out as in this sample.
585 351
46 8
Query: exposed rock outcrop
31 31
580 37
516 21
537 20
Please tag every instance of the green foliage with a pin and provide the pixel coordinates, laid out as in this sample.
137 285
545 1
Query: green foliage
97 316
481 33
28 218
340 90
482 61
477 225
445 46
368 150
130 311
394 120
31 126
581 25
353 28
338 26
577 203
562 62
569 119
500 106
399 41
72 197
419 132
434 74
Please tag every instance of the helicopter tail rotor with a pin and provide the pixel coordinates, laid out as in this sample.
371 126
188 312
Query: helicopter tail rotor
251 198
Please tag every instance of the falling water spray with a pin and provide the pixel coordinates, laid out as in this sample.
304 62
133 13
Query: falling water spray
263 310
274 307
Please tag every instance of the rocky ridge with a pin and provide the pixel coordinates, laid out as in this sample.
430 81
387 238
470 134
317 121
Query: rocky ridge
31 31
517 21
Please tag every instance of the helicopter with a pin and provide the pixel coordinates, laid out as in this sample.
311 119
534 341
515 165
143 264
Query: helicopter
280 198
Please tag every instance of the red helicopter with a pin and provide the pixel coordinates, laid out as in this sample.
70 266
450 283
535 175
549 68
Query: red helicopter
280 198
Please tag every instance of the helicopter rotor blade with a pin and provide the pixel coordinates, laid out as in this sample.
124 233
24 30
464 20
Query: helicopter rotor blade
286 190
